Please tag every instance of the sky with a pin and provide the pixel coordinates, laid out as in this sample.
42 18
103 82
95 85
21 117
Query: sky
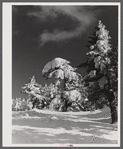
42 33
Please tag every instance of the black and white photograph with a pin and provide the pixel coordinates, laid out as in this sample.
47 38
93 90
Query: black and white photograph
62 69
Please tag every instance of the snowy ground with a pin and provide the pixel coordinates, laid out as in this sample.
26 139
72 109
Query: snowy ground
46 127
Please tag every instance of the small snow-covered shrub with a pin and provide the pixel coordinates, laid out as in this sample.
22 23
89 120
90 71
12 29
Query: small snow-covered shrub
19 104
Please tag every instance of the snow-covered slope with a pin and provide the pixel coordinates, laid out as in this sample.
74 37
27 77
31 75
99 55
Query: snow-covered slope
46 127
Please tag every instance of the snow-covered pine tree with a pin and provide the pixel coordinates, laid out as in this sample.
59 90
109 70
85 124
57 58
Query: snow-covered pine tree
102 66
33 90
63 72
40 96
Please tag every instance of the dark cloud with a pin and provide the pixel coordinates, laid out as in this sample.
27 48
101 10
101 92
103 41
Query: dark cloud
85 16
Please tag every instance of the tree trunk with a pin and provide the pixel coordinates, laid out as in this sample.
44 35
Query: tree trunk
35 103
113 108
113 113
111 99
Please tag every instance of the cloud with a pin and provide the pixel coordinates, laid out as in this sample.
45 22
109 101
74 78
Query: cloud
44 13
58 35
84 15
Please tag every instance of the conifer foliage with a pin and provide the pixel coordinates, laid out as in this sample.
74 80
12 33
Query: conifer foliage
102 68
39 96
52 96
73 92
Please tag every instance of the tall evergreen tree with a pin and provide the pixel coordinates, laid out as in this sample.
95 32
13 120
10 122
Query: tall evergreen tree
102 62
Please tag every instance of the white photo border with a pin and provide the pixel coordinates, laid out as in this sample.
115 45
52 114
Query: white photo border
7 71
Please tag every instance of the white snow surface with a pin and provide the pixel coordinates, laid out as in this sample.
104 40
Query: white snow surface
45 126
